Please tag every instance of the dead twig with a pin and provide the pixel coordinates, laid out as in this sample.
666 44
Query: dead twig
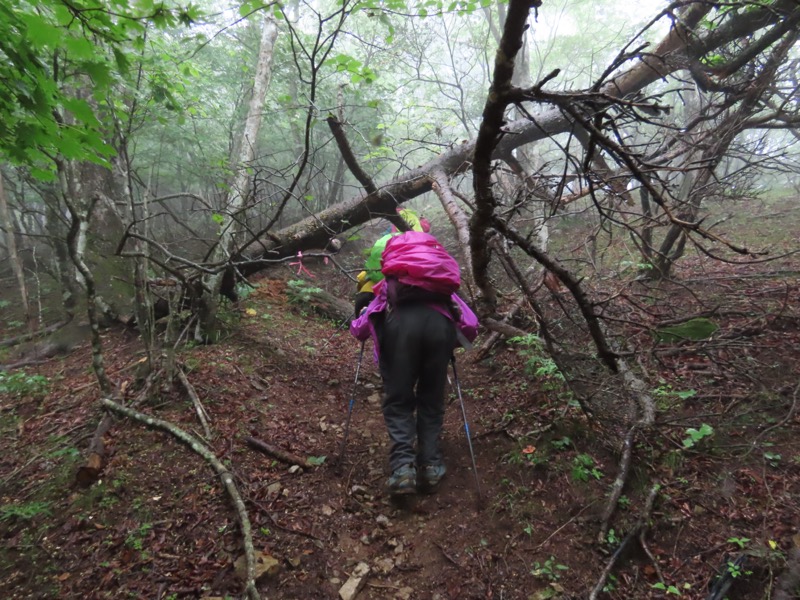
549 537
277 525
782 422
277 453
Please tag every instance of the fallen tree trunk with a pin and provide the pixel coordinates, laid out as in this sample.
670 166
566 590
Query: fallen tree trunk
325 304
669 56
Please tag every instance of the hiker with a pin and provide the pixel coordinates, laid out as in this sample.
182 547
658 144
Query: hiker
366 279
416 320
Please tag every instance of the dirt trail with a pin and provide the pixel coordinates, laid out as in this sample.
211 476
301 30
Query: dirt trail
158 525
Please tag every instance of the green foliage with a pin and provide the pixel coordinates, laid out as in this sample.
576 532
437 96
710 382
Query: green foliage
696 329
69 452
583 467
612 539
136 537
316 461
19 383
26 511
527 456
243 290
424 8
667 396
669 589
358 71
550 569
694 436
53 53
735 569
741 542
300 291
538 363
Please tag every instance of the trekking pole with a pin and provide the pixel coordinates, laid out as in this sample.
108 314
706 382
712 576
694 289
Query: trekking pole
466 428
350 407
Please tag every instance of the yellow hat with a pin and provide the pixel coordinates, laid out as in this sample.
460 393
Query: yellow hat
364 284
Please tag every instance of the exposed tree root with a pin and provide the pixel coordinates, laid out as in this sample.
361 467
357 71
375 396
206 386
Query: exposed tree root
638 532
198 406
637 387
224 474
619 483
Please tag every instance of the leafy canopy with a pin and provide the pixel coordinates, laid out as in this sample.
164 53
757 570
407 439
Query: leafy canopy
58 60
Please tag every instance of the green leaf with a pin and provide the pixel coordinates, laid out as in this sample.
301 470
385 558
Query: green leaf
696 329
123 64
63 15
80 47
40 33
246 8
99 72
316 461
81 110
43 174
70 146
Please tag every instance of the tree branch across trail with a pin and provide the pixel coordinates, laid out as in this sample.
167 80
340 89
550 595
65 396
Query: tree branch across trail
668 57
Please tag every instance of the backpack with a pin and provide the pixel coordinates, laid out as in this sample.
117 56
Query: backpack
418 269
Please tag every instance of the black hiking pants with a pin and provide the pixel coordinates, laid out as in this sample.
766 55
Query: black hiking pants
416 344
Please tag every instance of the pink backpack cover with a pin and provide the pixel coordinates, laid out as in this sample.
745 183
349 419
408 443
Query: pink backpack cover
417 258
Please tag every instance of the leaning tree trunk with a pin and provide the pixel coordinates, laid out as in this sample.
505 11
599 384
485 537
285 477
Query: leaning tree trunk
226 244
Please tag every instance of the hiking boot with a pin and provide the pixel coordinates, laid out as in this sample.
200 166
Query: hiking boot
403 481
429 477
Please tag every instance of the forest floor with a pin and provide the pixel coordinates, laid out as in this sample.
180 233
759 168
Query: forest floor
158 524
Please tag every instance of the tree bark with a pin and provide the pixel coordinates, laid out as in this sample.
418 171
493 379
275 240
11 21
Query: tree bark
13 256
226 245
